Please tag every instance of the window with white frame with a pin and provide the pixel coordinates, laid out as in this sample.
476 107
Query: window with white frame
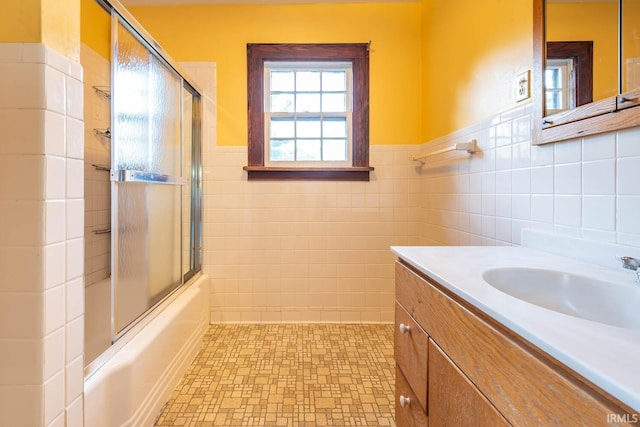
559 86
308 115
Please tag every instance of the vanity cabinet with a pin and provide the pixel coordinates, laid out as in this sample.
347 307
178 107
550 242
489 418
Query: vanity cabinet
457 366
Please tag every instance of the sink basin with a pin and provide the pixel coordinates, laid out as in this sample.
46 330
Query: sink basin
571 294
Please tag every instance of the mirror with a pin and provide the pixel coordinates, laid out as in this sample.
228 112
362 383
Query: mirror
630 45
574 30
586 67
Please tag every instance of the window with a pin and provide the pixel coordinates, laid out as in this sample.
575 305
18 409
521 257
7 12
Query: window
568 78
558 81
308 111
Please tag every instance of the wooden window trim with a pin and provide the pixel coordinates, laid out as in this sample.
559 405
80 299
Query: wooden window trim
582 54
358 55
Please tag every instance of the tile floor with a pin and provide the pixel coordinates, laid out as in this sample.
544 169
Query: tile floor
288 375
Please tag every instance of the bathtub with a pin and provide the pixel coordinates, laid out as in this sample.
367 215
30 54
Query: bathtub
132 386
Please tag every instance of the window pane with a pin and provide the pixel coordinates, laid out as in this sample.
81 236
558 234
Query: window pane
307 102
552 78
282 81
334 150
282 128
334 127
554 101
308 128
308 150
334 81
282 150
334 102
308 81
282 103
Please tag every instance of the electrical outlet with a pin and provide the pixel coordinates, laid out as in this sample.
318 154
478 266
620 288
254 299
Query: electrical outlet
523 86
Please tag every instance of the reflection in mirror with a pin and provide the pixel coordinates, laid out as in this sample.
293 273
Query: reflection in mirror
568 77
593 23
630 45
615 96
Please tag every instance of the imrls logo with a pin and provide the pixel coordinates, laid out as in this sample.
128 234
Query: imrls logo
622 418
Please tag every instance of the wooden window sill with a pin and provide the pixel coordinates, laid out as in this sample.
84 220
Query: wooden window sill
263 173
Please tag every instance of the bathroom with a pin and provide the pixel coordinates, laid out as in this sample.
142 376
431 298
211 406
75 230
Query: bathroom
291 251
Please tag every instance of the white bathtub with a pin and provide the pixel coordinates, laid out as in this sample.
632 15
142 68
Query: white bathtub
131 388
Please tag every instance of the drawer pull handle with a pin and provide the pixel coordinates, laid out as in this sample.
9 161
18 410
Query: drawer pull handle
405 328
404 401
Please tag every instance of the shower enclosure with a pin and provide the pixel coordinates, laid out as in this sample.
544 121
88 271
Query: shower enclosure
155 174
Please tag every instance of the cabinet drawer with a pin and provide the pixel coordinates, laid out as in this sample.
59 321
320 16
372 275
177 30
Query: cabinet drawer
411 293
411 353
408 413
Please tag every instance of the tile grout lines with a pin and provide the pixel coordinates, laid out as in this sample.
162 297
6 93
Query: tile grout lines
288 375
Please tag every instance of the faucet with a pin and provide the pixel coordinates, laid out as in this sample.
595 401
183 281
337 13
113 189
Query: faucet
632 264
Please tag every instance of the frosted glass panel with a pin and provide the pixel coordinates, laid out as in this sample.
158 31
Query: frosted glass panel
148 256
146 96
146 136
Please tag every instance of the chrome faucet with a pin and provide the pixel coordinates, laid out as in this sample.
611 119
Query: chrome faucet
632 264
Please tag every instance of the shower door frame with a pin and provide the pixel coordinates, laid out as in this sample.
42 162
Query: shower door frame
120 15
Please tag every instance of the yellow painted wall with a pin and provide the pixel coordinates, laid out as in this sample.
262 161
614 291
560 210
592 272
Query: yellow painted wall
61 26
631 45
596 21
95 29
55 23
631 29
472 52
20 21
220 33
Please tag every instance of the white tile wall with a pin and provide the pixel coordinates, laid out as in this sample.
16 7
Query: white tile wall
584 188
306 251
96 150
39 236
302 251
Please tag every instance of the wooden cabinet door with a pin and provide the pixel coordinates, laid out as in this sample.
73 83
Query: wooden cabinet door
453 399
409 413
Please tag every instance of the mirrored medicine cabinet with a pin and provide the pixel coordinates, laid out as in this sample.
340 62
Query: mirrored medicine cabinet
586 67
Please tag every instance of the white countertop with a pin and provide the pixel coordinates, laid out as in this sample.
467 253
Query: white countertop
608 356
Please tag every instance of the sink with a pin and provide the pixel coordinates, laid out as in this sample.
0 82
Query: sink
570 294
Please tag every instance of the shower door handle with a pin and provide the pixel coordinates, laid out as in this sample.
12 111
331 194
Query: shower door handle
125 175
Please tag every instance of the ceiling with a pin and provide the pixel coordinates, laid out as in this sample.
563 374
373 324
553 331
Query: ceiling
183 2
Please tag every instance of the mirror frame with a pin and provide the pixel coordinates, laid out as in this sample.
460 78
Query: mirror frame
606 115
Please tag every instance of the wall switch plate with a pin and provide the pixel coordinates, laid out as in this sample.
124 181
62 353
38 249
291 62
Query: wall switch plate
523 86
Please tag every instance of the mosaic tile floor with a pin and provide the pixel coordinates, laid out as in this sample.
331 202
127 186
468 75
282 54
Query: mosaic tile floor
288 375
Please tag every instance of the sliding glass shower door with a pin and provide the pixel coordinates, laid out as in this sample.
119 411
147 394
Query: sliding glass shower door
146 174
